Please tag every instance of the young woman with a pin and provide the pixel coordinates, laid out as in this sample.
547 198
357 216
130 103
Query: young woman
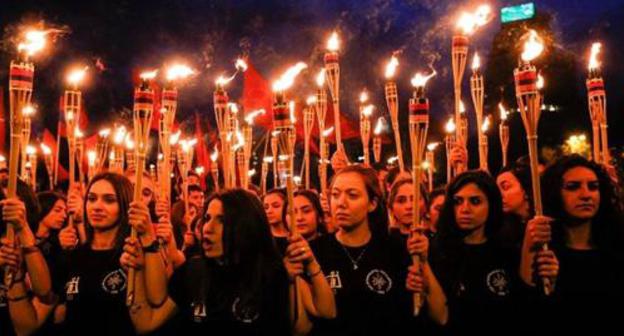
366 270
478 276
514 183
238 286
309 218
274 201
587 233
400 205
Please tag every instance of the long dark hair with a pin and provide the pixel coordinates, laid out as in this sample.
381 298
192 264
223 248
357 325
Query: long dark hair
123 192
607 227
378 218
448 230
249 253
522 172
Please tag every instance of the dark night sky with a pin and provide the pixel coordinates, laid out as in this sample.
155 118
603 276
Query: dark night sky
128 35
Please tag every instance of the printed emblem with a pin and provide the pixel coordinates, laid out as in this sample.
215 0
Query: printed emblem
334 280
378 281
498 282
244 314
72 288
114 282
199 311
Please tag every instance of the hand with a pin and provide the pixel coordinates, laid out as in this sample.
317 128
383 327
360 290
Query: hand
415 281
546 264
339 160
139 219
418 244
9 255
68 237
162 208
298 251
293 269
459 156
164 229
538 231
132 256
14 212
75 202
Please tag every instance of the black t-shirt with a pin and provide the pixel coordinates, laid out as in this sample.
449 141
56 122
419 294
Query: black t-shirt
6 325
480 283
94 291
219 309
369 286
281 243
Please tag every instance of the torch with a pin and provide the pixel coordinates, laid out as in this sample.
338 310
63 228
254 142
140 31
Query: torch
377 141
597 98
266 161
130 151
101 150
231 127
332 73
323 158
365 125
476 90
392 100
503 132
214 168
185 160
248 144
91 164
418 125
483 144
530 101
430 158
47 159
31 157
274 143
449 142
308 124
80 153
72 99
27 113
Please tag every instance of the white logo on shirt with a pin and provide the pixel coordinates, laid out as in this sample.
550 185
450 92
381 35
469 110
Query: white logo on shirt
244 314
114 282
72 287
199 311
378 281
497 282
334 280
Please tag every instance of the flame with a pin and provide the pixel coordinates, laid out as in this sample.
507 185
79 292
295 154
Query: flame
533 46
469 22
78 133
391 67
69 116
199 170
287 79
311 100
251 172
120 134
450 126
76 76
31 150
328 132
104 133
45 149
379 126
233 108
476 62
91 157
462 108
291 107
540 82
297 179
320 78
252 115
283 157
187 144
222 80
241 65
426 165
2 158
215 155
129 142
148 75
35 41
432 146
161 156
420 80
240 141
179 71
111 156
503 112
175 138
486 124
275 133
393 160
367 111
333 44
28 110
268 159
363 97
593 58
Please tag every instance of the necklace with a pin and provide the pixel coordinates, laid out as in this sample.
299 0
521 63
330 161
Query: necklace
357 260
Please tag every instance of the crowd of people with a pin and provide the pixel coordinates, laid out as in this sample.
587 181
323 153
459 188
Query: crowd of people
233 262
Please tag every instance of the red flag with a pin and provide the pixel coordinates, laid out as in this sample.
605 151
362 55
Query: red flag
2 119
201 152
50 140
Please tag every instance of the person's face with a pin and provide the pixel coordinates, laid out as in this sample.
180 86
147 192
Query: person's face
212 230
349 201
403 205
306 219
147 188
102 206
273 204
434 212
580 193
471 208
55 219
515 199
196 198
